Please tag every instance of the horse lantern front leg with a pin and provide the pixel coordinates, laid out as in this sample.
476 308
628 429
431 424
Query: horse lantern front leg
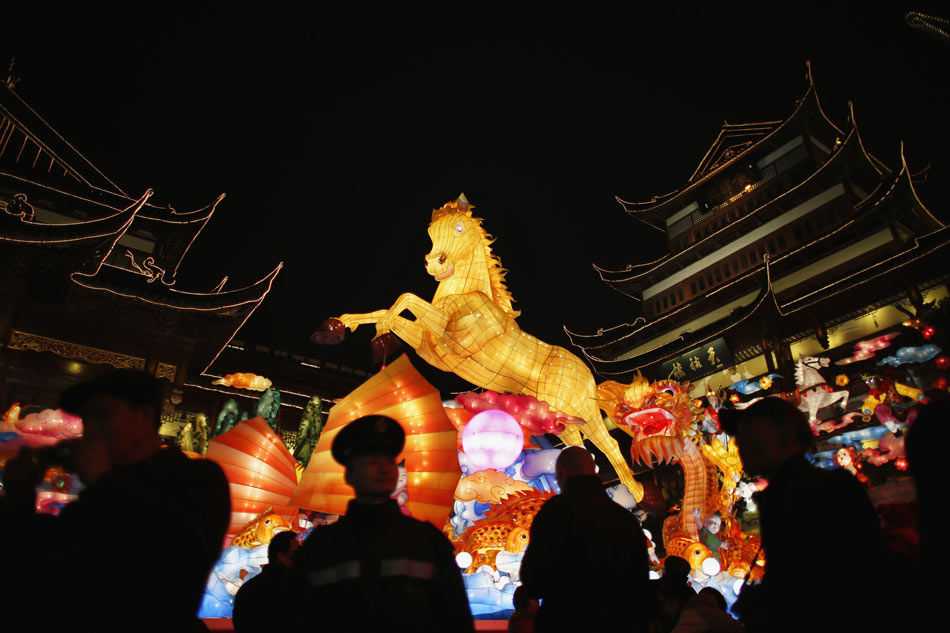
333 329
428 317
353 321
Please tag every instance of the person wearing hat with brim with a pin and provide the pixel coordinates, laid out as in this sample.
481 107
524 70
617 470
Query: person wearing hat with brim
815 524
375 568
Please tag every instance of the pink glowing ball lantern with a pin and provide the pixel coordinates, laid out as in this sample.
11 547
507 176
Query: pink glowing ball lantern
492 439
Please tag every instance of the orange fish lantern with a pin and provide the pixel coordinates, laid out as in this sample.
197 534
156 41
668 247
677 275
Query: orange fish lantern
430 454
251 382
259 468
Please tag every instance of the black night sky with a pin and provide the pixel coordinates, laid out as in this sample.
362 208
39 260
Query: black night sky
334 135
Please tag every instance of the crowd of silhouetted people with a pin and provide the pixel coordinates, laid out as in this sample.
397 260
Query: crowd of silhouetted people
134 551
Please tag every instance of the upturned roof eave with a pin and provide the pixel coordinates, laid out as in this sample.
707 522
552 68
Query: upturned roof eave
658 263
634 208
30 232
121 282
764 300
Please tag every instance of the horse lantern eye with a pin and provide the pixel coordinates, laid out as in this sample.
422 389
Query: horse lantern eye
459 228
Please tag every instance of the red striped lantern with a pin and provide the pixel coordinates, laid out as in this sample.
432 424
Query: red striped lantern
260 471
431 458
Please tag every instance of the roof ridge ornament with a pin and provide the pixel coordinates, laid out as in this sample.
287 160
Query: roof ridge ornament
11 79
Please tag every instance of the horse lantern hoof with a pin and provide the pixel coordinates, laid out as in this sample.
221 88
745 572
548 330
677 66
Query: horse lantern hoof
330 332
384 346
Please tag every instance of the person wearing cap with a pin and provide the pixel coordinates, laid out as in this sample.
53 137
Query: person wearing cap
818 528
585 551
134 551
376 569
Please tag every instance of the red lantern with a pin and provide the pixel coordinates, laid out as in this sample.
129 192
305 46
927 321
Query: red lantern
942 362
900 463
927 332
260 470
430 453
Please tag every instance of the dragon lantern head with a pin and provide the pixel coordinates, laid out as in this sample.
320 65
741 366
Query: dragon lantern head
655 414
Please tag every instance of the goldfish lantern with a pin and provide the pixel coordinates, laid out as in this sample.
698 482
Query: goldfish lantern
765 382
260 470
841 380
942 362
492 439
430 453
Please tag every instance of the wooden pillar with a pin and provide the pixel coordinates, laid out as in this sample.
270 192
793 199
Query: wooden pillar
151 361
767 351
181 372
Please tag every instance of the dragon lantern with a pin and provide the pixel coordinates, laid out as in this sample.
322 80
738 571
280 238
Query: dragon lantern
661 419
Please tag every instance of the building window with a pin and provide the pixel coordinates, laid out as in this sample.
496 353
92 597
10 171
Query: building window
743 260
666 303
718 277
692 287
781 241
735 266
679 293
772 248
797 230
702 284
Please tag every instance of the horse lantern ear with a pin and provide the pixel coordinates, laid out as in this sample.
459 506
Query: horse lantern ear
463 205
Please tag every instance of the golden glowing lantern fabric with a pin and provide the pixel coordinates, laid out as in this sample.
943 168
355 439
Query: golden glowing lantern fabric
431 458
260 471
469 328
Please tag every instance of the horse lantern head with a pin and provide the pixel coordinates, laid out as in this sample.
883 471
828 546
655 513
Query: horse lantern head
454 234
815 361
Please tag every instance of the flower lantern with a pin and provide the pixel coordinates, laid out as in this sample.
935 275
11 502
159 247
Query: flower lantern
765 383
842 380
492 439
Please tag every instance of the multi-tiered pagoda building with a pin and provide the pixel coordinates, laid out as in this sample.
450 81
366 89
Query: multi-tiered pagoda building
788 238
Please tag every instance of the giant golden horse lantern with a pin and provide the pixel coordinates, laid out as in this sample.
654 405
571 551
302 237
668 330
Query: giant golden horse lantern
469 328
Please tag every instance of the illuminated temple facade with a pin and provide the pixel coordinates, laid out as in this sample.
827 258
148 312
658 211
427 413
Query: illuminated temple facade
788 239
89 280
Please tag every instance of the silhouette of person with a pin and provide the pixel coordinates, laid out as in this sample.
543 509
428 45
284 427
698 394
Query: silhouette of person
376 569
259 597
810 518
135 549
581 541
